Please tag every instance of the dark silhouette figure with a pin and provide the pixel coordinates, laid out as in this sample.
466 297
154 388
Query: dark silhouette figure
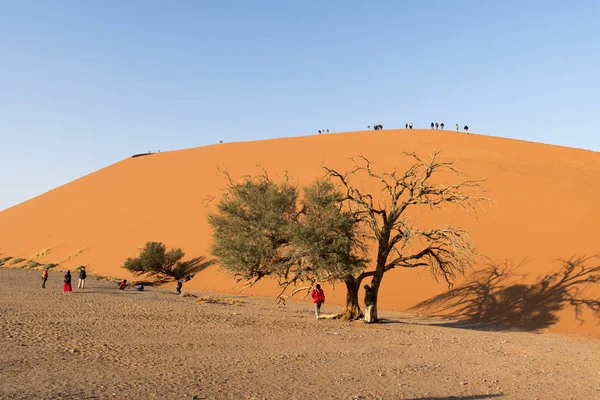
432 125
319 132
467 128
369 127
406 126
437 126
179 285
327 130
410 125
442 126
496 297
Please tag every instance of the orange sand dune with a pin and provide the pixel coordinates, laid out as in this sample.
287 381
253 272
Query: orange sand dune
544 205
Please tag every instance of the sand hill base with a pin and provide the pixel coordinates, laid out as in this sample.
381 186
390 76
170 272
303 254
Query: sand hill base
545 208
101 343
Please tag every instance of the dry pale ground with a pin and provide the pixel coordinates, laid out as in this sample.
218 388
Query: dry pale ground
102 343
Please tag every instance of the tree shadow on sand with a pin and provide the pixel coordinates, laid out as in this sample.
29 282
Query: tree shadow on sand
494 298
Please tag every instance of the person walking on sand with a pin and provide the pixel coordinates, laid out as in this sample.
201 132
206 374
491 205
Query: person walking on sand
369 304
44 277
179 285
437 126
466 128
432 126
82 276
67 282
442 126
410 125
456 127
318 298
406 126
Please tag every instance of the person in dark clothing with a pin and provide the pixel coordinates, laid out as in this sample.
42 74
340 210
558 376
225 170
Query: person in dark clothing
44 278
466 129
369 304
406 126
179 285
82 276
410 125
319 132
67 282
432 125
442 126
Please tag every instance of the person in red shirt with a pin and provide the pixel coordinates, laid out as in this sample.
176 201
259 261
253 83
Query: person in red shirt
318 298
44 278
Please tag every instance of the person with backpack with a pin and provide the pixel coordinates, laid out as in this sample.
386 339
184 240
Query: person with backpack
44 277
67 282
82 276
369 304
318 298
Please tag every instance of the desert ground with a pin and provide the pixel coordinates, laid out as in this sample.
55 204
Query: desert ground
544 207
101 343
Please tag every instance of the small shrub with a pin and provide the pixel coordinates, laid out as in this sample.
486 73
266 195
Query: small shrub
50 266
5 260
30 264
17 261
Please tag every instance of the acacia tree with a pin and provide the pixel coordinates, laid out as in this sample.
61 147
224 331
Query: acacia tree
154 261
261 229
445 251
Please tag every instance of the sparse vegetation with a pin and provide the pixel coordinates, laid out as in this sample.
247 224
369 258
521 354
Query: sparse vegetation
4 260
17 261
154 261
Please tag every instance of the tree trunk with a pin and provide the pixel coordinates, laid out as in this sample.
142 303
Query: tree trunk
352 310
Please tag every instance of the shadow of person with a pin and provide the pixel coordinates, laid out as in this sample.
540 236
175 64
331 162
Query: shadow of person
494 298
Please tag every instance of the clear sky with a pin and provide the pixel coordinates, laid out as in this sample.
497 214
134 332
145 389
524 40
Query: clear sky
84 84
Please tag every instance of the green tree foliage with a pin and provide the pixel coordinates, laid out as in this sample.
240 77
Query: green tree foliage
154 261
262 229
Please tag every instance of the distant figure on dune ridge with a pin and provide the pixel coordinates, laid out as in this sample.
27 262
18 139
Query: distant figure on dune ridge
319 132
67 282
369 127
82 276
406 126
123 284
456 127
318 296
442 126
437 126
410 125
432 125
369 303
327 130
44 277
467 128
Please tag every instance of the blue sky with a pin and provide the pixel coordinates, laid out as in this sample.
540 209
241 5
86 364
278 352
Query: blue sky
84 84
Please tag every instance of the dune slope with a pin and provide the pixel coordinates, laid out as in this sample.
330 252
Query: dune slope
543 208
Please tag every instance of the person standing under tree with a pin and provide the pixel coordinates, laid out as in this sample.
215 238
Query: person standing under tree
179 285
82 276
318 298
369 304
44 277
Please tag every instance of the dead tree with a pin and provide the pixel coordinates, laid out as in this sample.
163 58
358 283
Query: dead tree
446 251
